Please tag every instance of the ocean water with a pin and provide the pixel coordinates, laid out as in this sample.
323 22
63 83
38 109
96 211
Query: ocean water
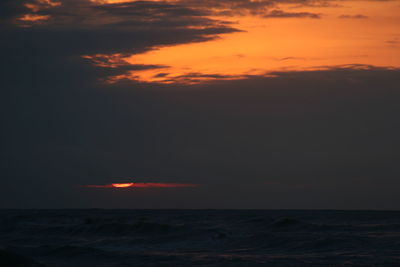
199 238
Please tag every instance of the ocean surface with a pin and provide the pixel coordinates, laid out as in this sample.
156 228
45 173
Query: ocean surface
199 238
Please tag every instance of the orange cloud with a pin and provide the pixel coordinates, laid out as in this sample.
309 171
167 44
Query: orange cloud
33 17
41 4
282 32
142 185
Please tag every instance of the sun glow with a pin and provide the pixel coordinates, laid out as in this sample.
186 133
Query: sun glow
123 185
142 185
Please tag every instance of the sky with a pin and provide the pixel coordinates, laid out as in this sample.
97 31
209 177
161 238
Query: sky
193 104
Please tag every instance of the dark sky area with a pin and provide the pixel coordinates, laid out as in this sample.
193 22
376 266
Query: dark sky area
314 139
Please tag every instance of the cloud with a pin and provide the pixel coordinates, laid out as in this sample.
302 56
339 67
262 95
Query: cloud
61 127
394 41
193 78
83 14
283 14
77 28
248 7
358 16
310 127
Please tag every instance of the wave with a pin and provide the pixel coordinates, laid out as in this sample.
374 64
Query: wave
200 238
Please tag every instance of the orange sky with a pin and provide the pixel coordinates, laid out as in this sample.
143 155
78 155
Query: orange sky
354 32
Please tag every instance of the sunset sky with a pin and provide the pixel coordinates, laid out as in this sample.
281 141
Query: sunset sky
200 104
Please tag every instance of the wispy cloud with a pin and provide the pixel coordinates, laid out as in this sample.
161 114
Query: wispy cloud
394 41
283 14
358 16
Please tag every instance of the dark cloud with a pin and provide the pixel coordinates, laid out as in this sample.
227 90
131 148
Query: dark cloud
246 7
196 78
358 16
10 9
284 14
157 9
335 130
394 41
78 28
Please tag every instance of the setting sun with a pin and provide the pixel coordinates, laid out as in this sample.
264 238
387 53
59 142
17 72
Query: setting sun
142 185
123 185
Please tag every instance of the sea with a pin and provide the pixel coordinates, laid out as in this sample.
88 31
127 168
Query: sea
97 237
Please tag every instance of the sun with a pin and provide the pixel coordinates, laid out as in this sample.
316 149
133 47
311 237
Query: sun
122 185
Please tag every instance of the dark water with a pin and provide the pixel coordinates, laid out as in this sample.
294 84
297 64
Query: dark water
199 238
